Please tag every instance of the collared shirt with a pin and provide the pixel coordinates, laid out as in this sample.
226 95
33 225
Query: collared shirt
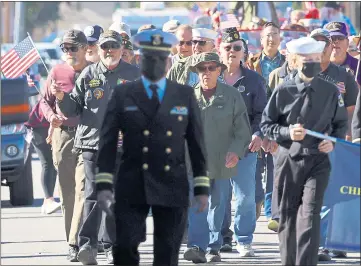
269 64
326 113
161 87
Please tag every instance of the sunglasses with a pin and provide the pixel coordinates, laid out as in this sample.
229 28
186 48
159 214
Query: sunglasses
236 48
72 49
110 45
188 43
201 43
338 38
203 69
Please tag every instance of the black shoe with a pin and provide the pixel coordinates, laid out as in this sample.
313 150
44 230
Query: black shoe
226 247
87 255
109 255
324 255
195 254
338 254
73 254
213 256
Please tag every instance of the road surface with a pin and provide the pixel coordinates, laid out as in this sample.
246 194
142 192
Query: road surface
31 238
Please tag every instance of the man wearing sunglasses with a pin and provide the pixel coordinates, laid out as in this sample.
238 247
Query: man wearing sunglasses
203 42
89 99
70 166
252 87
184 47
157 117
348 90
92 34
340 43
227 137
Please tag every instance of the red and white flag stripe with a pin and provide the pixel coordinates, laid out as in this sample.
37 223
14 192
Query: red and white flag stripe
13 66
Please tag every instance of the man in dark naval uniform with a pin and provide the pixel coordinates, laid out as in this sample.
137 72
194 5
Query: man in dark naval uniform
302 166
156 117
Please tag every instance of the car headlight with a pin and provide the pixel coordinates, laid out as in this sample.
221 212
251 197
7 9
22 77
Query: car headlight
12 150
13 129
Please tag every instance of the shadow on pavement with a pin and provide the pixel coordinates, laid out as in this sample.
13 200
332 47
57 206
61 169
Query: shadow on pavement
36 203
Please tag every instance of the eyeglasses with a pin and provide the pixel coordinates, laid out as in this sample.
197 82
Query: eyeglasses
72 49
203 69
188 43
201 43
338 38
110 45
236 48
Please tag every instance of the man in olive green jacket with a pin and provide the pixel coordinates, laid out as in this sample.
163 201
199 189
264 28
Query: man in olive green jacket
227 134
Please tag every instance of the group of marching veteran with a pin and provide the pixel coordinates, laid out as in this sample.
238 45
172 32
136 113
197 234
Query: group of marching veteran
179 126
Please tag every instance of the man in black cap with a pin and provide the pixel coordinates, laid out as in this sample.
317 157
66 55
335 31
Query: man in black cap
128 52
92 34
156 116
89 99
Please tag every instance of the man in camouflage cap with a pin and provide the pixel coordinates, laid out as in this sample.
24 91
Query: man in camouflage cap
89 99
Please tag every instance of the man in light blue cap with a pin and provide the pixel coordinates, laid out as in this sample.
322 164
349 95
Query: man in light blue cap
157 118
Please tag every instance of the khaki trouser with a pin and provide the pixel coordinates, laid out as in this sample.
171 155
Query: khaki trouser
71 175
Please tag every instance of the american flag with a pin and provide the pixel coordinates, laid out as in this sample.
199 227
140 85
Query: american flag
19 59
229 21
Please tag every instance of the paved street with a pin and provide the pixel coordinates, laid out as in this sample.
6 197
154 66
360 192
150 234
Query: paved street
30 238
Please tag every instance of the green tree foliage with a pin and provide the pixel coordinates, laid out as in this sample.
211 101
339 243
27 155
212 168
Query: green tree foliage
39 14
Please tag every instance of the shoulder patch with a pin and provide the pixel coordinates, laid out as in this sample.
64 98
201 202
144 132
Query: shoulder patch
95 83
340 100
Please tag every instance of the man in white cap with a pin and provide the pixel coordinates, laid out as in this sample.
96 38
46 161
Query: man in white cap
122 28
203 42
302 164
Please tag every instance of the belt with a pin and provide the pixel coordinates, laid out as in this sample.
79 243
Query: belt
309 151
68 129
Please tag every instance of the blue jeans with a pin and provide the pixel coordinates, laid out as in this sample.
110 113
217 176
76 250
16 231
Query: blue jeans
244 186
269 185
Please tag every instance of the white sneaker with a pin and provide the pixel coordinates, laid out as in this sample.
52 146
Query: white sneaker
49 208
245 250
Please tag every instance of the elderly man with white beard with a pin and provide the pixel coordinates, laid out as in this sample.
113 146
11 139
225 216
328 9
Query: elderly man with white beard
89 99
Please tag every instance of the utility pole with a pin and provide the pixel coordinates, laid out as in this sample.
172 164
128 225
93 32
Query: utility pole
19 18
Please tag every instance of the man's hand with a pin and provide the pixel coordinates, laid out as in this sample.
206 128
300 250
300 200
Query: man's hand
231 159
255 144
56 91
297 132
202 202
56 120
273 147
325 146
105 199
266 144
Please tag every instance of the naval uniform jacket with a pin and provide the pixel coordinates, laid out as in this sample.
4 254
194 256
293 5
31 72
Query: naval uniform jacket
153 169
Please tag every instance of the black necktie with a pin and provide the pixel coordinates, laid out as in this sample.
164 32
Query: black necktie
155 99
296 146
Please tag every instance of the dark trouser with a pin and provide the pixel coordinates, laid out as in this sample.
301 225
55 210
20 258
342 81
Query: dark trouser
299 187
259 186
169 225
43 149
92 214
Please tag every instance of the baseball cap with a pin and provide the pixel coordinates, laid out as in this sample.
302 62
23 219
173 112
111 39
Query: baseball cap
204 33
92 33
121 27
110 36
127 45
321 32
336 29
76 37
171 26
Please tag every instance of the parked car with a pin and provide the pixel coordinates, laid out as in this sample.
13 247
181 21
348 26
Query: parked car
16 150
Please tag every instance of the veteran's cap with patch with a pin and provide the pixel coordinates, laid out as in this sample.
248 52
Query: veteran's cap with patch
305 45
230 35
155 40
322 33
110 36
336 29
92 33
76 37
127 45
